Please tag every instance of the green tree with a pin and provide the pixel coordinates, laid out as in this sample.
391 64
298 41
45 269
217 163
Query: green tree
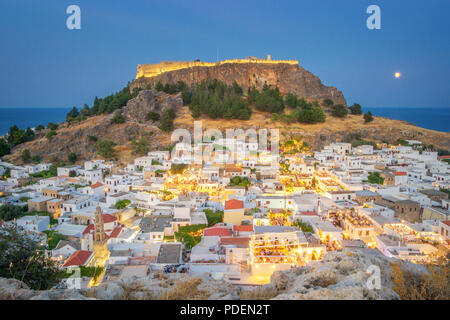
327 102
36 158
105 148
139 146
39 127
72 157
50 135
291 100
4 147
153 116
166 123
213 217
23 258
26 156
122 204
368 117
355 109
52 126
72 114
339 110
118 117
374 177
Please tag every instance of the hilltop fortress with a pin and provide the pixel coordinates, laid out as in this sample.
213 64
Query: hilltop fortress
152 70
287 75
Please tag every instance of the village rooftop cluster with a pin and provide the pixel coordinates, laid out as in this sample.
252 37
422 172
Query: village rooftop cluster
239 222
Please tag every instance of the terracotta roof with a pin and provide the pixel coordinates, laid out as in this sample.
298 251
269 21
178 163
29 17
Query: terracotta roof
115 232
447 222
88 229
216 232
107 218
79 258
234 204
399 173
308 213
96 185
243 228
238 241
444 157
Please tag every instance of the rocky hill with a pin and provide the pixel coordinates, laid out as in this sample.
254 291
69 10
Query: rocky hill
288 77
340 275
77 137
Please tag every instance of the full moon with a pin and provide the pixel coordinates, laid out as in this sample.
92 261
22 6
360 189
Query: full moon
397 75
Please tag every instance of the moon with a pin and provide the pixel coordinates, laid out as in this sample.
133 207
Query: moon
397 75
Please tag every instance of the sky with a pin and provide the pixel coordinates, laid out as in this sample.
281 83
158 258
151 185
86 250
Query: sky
44 64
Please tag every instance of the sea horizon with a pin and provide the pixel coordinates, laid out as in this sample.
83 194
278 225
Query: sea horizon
419 116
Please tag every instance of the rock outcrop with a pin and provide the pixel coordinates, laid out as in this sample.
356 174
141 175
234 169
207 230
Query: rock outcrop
288 77
151 100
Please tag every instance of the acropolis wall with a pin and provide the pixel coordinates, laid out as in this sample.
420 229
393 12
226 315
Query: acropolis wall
151 70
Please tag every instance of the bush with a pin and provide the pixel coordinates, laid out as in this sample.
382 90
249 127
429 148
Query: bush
327 102
72 157
139 146
368 117
10 212
50 135
213 217
122 204
355 109
374 177
311 113
118 118
166 123
24 259
339 110
36 158
178 168
105 148
26 156
52 126
153 116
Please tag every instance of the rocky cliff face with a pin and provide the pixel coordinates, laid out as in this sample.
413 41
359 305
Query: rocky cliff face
151 100
288 77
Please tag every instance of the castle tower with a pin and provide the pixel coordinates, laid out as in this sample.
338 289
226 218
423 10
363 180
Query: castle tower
100 245
268 57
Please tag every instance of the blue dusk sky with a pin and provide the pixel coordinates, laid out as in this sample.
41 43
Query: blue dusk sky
43 64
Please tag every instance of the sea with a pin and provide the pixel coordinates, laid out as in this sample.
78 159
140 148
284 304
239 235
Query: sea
430 118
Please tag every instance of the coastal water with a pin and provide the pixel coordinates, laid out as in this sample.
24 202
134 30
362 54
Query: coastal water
430 118
30 117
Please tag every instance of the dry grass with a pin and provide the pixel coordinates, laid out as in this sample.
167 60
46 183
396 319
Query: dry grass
262 293
433 286
185 290
130 290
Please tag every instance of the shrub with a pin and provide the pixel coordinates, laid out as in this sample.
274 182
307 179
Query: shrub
368 117
339 110
105 148
50 135
26 156
72 157
118 118
355 109
327 102
153 116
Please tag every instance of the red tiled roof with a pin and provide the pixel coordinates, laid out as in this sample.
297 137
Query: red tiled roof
216 232
243 228
444 157
243 241
308 213
96 185
115 232
234 204
88 229
107 218
79 258
399 173
447 222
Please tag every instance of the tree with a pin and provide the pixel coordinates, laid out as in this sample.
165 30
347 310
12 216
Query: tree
105 148
36 158
23 258
4 147
26 156
213 217
118 117
327 102
122 204
139 146
166 123
339 110
291 100
374 177
72 157
72 114
311 113
50 135
39 127
153 116
368 117
9 212
52 126
355 109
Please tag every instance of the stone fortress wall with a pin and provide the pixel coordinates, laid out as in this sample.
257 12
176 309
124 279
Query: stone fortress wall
152 70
